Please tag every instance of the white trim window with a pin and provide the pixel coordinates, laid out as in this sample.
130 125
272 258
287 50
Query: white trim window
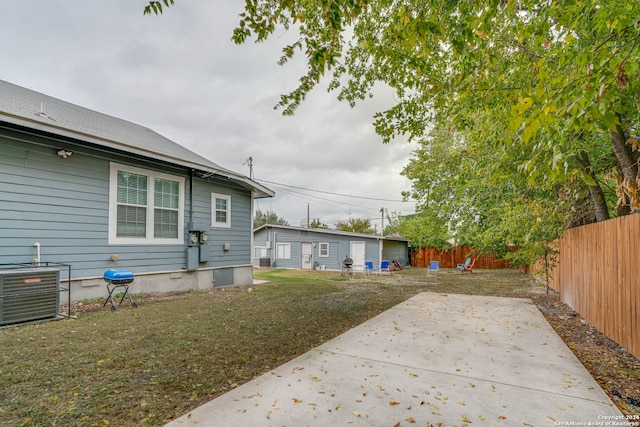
145 207
220 210
283 250
323 249
259 252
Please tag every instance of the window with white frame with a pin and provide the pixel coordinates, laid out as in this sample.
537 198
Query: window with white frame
145 207
283 250
220 210
259 252
323 249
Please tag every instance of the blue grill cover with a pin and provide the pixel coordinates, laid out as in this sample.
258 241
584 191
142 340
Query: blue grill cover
118 276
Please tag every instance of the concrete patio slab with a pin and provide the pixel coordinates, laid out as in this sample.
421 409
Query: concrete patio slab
442 360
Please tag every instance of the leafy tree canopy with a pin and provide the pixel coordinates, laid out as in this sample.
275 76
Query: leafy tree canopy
356 225
392 227
425 230
268 217
563 67
315 223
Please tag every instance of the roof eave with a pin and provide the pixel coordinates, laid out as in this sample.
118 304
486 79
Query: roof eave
260 190
329 231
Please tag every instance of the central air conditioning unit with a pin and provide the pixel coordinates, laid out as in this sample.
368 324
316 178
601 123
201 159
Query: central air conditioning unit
28 294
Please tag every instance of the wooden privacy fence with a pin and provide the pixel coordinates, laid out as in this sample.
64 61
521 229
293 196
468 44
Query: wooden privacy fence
450 258
598 275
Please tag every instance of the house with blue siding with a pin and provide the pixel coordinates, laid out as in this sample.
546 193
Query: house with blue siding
96 192
314 248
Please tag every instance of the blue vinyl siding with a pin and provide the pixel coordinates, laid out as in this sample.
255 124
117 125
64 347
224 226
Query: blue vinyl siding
238 236
63 204
339 246
60 203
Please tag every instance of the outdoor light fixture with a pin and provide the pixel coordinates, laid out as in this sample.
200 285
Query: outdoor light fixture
64 154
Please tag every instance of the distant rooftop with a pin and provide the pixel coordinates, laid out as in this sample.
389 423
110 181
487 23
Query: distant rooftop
335 232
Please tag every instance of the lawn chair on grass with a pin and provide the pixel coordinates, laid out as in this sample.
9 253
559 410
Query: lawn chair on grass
434 266
467 266
359 269
384 267
368 265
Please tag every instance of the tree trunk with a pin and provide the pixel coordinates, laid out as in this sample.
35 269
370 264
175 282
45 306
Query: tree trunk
627 165
595 191
624 154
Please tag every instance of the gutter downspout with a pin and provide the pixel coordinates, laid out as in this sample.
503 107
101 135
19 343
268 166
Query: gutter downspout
191 192
191 195
252 254
273 251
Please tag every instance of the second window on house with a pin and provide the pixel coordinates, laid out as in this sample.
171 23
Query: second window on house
323 249
283 250
220 210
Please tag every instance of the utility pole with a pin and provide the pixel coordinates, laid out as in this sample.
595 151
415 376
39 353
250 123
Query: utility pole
249 162
382 222
308 216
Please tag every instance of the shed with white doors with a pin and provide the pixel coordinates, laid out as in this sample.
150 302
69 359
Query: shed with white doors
315 248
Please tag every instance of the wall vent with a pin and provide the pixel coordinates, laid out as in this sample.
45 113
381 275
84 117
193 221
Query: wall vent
28 294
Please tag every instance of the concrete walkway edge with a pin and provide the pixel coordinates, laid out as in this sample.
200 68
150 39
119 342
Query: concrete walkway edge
457 360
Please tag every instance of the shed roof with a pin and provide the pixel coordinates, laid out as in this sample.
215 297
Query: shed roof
331 232
27 108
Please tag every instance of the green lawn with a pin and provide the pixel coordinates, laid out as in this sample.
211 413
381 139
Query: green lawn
148 365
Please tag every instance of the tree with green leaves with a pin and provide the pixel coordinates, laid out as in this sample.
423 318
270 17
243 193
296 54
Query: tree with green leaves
565 68
315 223
392 226
269 217
425 230
485 201
356 225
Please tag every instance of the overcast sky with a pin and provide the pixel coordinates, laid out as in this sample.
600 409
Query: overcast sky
180 75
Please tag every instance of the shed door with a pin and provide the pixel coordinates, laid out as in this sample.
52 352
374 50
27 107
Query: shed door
306 251
357 253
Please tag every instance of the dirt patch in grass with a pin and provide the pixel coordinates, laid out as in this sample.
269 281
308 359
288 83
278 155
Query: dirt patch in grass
148 365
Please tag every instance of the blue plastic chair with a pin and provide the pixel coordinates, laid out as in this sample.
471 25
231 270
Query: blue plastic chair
384 266
434 266
368 265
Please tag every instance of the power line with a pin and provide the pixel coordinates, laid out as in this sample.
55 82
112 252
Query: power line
331 202
335 194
